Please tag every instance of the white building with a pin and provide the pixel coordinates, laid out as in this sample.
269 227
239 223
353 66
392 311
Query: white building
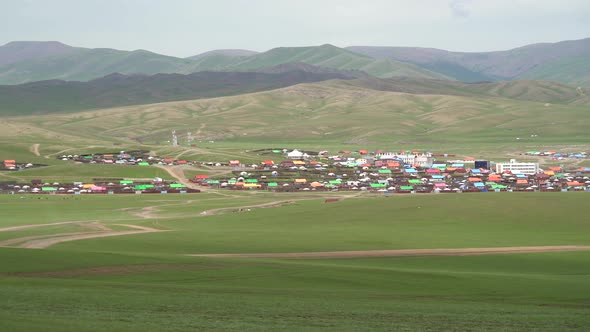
517 168
422 160
296 154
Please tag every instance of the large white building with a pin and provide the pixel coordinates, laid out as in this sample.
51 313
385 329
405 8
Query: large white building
422 160
517 168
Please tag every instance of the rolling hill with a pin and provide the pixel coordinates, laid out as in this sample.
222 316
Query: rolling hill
83 64
328 112
330 56
536 91
55 96
567 61
120 90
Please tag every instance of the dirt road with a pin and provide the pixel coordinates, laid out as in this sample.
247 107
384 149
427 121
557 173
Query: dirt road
35 149
404 252
44 241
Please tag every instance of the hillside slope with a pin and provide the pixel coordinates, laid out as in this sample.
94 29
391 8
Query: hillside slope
82 64
330 112
120 90
536 91
566 61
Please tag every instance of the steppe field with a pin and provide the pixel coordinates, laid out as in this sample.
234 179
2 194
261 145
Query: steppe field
372 262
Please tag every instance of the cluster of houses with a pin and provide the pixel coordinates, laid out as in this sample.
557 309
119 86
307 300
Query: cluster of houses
13 165
137 157
558 155
105 186
405 172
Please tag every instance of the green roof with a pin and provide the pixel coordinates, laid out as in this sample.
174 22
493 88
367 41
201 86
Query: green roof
385 171
143 163
177 185
377 185
276 151
335 181
273 184
126 182
48 189
499 186
251 181
406 188
140 187
415 181
232 181
213 181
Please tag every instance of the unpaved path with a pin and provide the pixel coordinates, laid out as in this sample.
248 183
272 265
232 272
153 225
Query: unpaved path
35 149
405 252
44 241
19 228
245 208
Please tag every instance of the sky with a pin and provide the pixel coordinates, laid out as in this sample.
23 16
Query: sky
189 27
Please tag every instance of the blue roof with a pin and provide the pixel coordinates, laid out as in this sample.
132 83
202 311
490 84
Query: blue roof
479 184
411 170
457 165
476 170
521 176
438 176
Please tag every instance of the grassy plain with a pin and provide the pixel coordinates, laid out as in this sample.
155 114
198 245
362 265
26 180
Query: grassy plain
146 282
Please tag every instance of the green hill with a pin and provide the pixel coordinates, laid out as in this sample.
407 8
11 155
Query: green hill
82 64
567 61
120 90
537 91
330 112
331 57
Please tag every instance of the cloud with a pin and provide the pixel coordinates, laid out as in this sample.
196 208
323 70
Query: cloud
460 8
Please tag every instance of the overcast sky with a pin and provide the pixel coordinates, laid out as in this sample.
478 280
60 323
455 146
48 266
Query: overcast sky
188 27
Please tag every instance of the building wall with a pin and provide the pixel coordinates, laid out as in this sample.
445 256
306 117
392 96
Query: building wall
518 168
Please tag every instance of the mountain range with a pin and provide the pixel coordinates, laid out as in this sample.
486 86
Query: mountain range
566 62
117 89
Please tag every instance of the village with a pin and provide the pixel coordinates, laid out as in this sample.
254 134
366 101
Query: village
294 170
404 172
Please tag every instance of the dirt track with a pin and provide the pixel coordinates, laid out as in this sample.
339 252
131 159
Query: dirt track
404 252
35 149
44 241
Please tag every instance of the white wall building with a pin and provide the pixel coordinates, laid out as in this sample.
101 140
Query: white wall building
422 160
517 168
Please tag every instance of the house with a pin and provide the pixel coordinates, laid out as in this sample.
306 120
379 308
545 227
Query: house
295 154
517 168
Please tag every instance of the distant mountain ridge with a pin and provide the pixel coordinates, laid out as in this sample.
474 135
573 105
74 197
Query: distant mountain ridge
84 64
566 61
57 96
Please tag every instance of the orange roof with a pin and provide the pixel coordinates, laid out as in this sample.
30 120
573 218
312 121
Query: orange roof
10 161
300 180
550 172
316 184
268 162
574 183
298 162
474 180
522 181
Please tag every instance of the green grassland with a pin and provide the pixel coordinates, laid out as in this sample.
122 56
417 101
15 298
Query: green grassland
145 281
331 113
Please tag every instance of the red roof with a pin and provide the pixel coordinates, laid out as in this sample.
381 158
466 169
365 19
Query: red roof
201 176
